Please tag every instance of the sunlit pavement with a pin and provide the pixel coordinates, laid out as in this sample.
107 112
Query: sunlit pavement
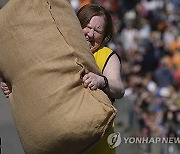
10 143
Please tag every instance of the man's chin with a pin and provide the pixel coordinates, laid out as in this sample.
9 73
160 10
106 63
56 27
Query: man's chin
93 49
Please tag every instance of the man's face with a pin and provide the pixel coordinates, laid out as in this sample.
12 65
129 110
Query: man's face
94 32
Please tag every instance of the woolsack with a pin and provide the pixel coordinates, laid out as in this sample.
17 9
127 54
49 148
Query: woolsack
43 54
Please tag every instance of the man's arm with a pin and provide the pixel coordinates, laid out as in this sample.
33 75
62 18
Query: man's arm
6 88
115 88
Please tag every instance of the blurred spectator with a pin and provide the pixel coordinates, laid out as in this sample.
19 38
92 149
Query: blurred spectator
75 4
163 75
84 2
129 37
175 44
150 61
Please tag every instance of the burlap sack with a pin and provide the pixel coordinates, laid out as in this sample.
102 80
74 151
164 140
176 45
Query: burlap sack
43 53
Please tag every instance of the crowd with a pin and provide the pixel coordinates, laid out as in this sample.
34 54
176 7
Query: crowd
147 38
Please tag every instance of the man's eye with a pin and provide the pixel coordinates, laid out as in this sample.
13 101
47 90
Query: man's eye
89 27
99 32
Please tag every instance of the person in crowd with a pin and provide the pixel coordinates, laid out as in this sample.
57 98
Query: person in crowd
97 26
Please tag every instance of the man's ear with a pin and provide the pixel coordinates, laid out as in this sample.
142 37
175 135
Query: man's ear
3 3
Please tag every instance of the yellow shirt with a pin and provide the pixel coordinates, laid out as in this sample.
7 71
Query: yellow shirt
102 56
102 147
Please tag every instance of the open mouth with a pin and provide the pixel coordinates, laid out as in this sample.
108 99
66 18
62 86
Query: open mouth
90 43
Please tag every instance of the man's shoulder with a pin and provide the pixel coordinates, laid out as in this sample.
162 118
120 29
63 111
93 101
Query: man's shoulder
105 49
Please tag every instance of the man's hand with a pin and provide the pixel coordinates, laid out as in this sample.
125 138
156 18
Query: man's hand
6 88
93 81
